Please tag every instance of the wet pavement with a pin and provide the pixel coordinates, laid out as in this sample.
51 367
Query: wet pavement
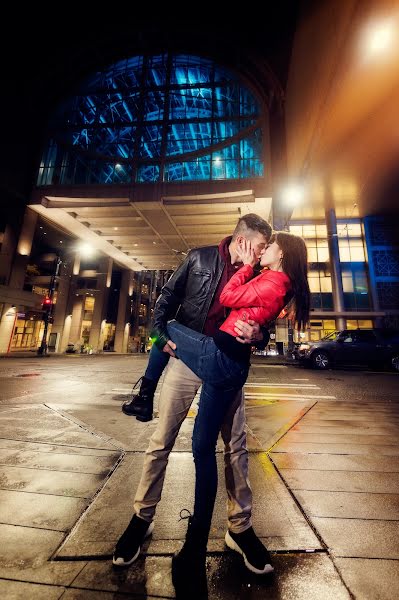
324 470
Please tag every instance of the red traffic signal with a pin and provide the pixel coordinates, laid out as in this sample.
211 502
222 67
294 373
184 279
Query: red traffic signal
47 303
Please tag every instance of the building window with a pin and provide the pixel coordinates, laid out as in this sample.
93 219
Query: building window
359 323
158 118
353 266
355 286
319 275
319 329
350 242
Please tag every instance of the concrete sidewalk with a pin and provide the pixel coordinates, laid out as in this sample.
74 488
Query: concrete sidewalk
325 476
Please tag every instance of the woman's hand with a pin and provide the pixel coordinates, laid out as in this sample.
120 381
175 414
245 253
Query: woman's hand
246 253
248 332
169 348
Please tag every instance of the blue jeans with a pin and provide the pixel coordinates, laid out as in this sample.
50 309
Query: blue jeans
200 353
222 378
157 361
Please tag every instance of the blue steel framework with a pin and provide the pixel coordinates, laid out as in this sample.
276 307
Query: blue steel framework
158 118
381 236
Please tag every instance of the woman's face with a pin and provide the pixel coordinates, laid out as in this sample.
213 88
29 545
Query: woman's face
271 256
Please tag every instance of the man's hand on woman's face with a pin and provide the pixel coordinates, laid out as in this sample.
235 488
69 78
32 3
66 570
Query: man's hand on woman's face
248 332
246 253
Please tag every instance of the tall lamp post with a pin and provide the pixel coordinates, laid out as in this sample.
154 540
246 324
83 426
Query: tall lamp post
47 305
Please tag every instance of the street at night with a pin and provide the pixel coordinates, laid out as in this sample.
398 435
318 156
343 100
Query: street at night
225 188
323 468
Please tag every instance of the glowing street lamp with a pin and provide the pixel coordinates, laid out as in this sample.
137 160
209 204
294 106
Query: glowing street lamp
293 195
86 250
378 38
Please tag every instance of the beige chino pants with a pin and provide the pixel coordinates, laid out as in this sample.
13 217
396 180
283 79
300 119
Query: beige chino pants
178 390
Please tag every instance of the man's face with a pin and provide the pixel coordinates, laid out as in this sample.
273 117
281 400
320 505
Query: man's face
259 243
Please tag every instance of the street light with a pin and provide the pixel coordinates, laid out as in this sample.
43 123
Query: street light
47 306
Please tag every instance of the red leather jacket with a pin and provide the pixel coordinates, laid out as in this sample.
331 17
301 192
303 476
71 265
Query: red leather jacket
261 299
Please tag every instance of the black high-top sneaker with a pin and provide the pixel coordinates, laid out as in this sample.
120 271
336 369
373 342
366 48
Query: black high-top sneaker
142 404
256 556
189 565
128 547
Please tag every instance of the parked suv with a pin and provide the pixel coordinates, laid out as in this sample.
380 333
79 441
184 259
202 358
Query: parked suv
371 347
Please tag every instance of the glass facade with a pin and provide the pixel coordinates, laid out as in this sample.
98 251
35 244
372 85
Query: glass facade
315 237
159 118
353 266
381 235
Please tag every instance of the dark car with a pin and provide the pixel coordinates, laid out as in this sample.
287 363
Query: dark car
371 347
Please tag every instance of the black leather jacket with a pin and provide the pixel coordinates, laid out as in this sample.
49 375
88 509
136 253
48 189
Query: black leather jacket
189 292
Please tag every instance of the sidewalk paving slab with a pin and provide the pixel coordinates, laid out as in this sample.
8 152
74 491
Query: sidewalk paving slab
281 525
349 492
340 481
301 577
359 538
331 478
18 590
370 579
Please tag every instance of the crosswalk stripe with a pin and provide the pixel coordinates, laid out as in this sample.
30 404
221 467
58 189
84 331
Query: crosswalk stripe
311 386
281 395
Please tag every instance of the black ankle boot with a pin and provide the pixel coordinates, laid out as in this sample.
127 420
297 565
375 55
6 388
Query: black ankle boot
189 565
142 404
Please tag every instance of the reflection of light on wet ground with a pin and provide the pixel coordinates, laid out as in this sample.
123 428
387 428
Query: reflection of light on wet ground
265 462
282 396
260 394
296 386
254 402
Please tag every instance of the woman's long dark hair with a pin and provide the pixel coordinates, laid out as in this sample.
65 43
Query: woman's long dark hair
295 264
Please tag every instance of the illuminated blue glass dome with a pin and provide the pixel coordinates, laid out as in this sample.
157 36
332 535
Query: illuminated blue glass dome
163 118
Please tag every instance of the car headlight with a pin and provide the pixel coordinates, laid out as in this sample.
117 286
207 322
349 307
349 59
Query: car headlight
304 348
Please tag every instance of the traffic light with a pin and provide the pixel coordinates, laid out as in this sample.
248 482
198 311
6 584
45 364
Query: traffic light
47 304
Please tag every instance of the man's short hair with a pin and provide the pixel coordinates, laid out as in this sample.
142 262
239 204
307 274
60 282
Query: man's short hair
252 223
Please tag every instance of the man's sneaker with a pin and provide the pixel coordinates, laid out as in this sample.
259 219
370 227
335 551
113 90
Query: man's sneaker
142 404
256 557
189 565
128 546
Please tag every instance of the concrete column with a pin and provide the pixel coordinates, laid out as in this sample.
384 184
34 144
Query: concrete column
109 264
76 321
122 325
17 276
65 335
100 305
76 264
74 306
7 327
335 266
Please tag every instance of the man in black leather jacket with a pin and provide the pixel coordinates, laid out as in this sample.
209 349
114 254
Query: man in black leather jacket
192 297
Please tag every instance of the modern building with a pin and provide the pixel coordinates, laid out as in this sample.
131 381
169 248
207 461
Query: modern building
159 150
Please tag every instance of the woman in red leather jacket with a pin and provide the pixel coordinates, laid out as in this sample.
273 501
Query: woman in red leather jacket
222 363
221 360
